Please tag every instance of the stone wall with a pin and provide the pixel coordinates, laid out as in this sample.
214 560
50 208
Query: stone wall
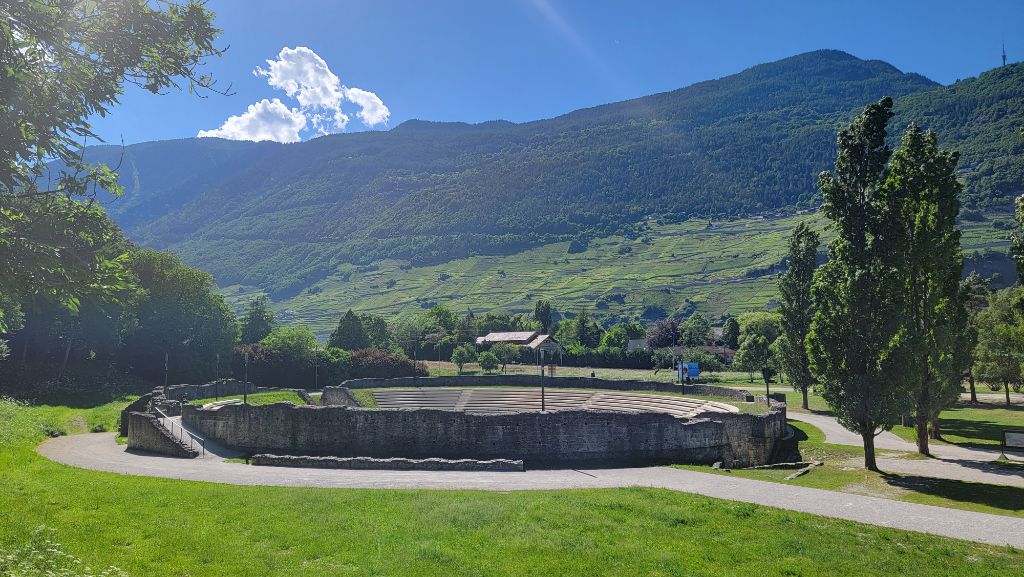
140 405
145 433
341 396
221 388
336 396
394 464
562 437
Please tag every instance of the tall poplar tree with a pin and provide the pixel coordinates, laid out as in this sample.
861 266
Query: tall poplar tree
855 345
797 309
920 203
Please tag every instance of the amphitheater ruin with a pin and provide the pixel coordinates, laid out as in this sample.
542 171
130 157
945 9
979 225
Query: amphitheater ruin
475 423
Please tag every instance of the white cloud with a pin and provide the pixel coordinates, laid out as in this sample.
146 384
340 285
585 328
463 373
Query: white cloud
265 120
372 109
303 75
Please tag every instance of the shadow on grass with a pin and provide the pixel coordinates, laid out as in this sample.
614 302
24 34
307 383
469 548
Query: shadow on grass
979 429
996 496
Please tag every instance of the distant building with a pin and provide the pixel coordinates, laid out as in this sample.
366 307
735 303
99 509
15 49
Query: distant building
545 343
722 352
636 345
532 340
521 338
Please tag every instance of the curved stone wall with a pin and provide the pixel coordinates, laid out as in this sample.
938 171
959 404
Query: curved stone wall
540 439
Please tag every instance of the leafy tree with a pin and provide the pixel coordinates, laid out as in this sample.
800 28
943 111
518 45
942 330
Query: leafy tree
664 333
377 331
695 330
731 333
974 292
350 335
854 344
617 337
295 342
488 361
443 317
634 330
766 324
1016 238
64 63
1000 348
258 321
588 333
462 355
542 313
179 315
755 354
919 197
506 353
796 309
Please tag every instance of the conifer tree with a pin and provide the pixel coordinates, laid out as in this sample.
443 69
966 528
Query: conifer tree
797 309
258 321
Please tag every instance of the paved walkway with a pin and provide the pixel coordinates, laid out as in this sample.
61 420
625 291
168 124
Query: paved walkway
950 462
100 452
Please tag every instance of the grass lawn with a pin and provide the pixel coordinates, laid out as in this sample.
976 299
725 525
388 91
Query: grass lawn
974 424
261 398
153 527
843 471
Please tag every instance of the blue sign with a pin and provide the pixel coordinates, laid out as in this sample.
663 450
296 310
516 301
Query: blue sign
687 369
693 370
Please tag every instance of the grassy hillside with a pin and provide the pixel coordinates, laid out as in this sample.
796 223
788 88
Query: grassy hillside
283 217
671 269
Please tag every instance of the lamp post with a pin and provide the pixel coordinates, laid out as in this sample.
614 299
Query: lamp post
245 381
542 407
316 366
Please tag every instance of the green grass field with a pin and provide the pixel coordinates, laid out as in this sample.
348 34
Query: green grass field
842 471
154 527
974 425
261 398
674 268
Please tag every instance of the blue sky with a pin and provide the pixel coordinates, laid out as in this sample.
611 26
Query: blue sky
527 59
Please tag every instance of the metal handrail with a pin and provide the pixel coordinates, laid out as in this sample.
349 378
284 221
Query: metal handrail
192 439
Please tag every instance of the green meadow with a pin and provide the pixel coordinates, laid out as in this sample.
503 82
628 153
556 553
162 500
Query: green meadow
155 527
670 269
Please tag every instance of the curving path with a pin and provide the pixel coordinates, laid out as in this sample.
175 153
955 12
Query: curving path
100 452
949 462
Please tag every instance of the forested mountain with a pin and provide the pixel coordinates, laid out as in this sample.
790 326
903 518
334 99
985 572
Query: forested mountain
282 216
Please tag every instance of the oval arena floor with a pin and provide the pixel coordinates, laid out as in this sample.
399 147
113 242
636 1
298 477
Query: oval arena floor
501 400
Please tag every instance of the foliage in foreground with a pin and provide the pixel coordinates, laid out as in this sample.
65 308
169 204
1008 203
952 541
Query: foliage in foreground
42 556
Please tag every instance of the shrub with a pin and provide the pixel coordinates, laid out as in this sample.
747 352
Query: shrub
375 363
488 361
463 354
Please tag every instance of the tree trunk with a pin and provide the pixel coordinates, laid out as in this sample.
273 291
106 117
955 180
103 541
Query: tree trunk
1006 387
64 363
869 451
974 392
936 432
921 421
804 391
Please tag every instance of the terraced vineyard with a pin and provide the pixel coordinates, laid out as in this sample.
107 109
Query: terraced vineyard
728 268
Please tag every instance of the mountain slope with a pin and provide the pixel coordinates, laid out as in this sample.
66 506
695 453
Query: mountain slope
284 216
